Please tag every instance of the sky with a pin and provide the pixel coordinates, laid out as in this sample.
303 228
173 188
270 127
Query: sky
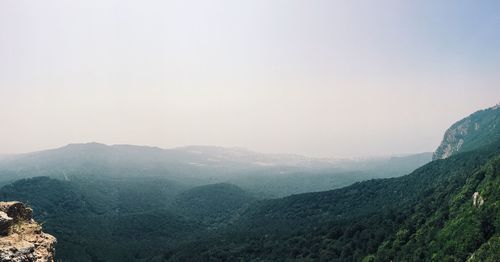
318 78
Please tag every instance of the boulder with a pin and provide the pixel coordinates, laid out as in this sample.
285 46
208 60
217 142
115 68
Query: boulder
5 223
477 199
17 211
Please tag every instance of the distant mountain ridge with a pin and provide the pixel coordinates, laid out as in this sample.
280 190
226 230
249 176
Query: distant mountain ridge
273 175
206 155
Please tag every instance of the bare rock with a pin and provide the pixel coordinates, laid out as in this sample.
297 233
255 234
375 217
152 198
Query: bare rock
5 223
477 199
453 139
17 210
23 239
479 128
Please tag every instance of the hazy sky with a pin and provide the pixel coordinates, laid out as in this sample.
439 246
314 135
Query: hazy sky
320 78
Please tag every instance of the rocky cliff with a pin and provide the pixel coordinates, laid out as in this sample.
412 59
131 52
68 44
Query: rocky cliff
21 238
474 131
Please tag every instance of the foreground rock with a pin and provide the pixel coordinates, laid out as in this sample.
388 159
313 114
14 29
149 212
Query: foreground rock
21 238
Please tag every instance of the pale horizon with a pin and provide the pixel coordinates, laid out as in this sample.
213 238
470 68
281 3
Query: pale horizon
330 79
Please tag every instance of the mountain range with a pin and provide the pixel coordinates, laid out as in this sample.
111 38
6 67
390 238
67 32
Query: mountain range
130 203
272 175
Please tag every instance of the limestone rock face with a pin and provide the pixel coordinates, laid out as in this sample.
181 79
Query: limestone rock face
479 129
21 238
477 199
5 223
453 139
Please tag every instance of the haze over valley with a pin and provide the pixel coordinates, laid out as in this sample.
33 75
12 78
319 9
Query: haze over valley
262 130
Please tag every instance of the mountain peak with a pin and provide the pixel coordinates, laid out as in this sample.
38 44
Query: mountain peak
89 144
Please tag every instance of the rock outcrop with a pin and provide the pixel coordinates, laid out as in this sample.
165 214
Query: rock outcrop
21 238
453 139
477 199
474 131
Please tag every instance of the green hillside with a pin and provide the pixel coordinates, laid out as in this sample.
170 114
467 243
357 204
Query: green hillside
212 205
104 219
427 215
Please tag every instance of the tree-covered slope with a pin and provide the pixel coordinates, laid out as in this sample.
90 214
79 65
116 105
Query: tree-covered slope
372 220
125 219
105 219
446 210
212 205
454 224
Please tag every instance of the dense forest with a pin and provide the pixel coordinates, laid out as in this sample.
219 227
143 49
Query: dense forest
427 215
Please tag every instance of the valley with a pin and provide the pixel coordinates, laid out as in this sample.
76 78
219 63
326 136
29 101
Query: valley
150 204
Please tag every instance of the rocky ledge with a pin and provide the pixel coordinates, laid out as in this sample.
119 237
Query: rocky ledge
21 238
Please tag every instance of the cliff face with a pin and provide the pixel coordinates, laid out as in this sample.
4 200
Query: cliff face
474 131
21 238
453 139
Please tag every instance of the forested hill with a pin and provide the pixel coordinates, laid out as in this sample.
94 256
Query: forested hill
428 215
446 210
